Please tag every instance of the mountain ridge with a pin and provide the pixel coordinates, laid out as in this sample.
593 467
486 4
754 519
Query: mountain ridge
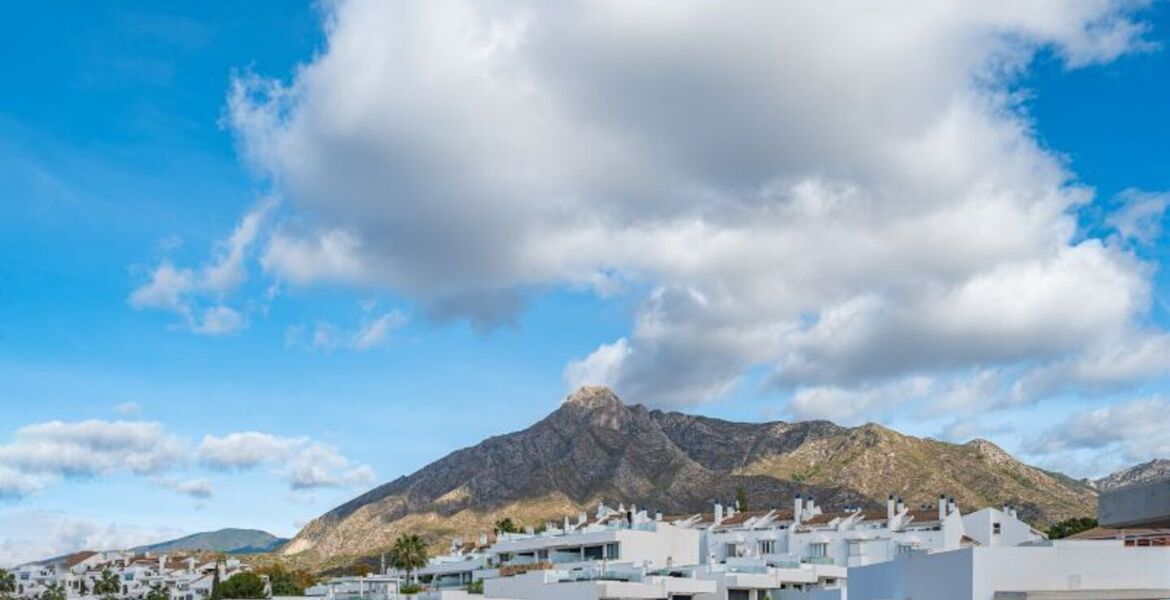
595 448
230 540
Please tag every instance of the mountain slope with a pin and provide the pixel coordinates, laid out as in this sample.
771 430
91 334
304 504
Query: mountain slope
238 541
1154 470
594 448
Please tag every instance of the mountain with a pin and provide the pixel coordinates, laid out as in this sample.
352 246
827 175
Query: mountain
232 541
595 448
1154 470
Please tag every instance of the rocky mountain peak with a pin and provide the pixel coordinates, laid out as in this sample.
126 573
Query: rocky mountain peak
594 397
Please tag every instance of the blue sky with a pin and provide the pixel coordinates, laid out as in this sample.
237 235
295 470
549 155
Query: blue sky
462 213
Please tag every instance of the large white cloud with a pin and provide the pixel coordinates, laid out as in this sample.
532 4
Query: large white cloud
304 463
43 454
849 197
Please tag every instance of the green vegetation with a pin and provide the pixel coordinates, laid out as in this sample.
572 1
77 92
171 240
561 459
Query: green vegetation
54 591
158 592
409 589
507 525
243 586
7 584
409 553
475 587
1070 527
288 583
740 499
109 585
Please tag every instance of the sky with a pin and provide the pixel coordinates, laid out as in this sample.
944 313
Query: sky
257 257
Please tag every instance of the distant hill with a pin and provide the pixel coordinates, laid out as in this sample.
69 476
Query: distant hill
1154 470
232 541
595 448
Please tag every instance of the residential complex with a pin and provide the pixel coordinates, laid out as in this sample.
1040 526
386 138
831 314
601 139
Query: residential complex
85 575
800 552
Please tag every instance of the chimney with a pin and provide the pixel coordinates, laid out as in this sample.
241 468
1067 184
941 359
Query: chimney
162 564
730 510
565 524
890 510
942 506
797 509
811 505
581 518
951 506
901 505
658 516
718 512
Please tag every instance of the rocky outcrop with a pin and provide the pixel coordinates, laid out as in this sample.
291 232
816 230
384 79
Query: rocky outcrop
595 448
1154 470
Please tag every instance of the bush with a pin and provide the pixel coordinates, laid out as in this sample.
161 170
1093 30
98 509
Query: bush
409 588
243 586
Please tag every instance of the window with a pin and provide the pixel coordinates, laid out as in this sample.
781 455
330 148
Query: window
855 548
995 528
819 550
767 546
611 551
594 552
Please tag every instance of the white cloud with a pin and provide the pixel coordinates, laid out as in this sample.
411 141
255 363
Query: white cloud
187 292
326 337
304 463
36 535
1141 215
218 320
200 489
1098 440
44 452
374 333
130 409
733 162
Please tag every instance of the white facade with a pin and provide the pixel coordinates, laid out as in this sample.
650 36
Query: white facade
182 578
1075 569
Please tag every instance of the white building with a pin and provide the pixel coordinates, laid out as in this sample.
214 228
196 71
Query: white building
1057 570
756 555
183 578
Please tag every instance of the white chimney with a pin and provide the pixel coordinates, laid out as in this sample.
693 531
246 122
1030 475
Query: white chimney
901 505
942 506
797 509
951 506
811 506
658 516
890 510
718 512
162 564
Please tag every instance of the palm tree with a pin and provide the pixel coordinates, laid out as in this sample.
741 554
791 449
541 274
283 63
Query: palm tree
158 592
54 591
109 585
410 553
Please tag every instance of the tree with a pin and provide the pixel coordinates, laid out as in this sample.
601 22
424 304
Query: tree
216 591
158 592
507 525
7 582
410 553
54 591
288 583
1070 527
109 585
82 587
740 499
243 586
